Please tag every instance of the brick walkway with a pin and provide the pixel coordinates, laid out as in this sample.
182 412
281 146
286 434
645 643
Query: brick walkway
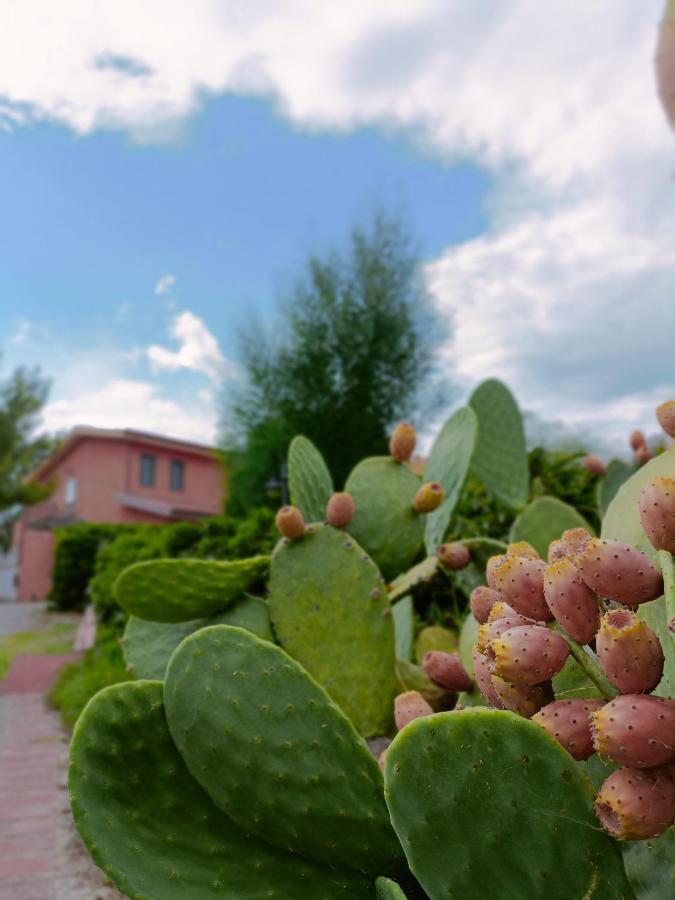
41 857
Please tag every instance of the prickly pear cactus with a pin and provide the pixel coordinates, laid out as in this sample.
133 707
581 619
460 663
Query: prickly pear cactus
650 865
153 830
616 474
330 611
403 614
543 521
309 481
487 804
388 890
177 590
273 751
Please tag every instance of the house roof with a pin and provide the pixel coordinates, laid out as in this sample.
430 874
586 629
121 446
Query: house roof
126 435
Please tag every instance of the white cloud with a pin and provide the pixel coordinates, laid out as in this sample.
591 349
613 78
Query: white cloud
22 333
164 285
198 350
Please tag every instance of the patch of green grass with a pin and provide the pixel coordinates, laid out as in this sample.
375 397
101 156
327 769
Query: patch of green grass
77 683
56 638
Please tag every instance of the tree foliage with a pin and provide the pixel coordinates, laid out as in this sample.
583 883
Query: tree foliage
356 346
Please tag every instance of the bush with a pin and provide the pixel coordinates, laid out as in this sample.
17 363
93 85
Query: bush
74 559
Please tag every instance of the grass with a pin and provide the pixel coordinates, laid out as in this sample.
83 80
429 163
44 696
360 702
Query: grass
77 683
56 638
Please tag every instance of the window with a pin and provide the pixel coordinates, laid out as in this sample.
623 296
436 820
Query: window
177 476
71 491
147 473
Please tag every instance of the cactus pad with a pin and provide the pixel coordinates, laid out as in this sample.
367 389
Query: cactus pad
387 889
543 521
148 645
616 474
384 522
177 590
273 750
500 458
449 464
650 866
152 829
423 573
486 804
309 481
330 611
404 627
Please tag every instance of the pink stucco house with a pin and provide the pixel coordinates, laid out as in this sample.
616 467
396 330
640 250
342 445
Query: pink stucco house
109 476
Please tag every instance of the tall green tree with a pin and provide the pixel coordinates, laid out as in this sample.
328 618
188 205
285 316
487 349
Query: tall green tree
22 397
353 349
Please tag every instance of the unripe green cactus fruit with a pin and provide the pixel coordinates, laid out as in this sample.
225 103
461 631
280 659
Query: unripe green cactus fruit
273 751
486 804
177 590
153 830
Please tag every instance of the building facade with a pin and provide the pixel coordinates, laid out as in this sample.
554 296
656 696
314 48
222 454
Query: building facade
109 476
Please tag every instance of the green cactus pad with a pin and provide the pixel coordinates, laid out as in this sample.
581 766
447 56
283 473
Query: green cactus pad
449 464
273 750
309 481
384 522
481 549
330 611
388 890
650 866
177 590
422 573
616 474
404 627
543 521
500 458
573 682
487 804
412 677
148 645
435 637
152 829
467 638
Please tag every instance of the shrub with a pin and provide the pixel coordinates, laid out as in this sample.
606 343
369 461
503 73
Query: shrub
144 542
74 559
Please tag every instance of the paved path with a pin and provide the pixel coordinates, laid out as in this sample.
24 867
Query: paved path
41 856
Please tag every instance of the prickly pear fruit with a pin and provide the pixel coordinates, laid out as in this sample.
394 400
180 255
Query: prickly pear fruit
636 804
490 567
522 548
528 654
408 706
569 722
497 624
665 64
483 676
637 439
454 556
636 730
290 522
502 610
523 699
571 601
665 413
594 465
521 581
340 510
657 513
619 572
402 442
482 600
629 652
428 498
642 455
447 670
568 544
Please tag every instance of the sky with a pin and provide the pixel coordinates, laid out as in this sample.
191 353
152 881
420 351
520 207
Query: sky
166 168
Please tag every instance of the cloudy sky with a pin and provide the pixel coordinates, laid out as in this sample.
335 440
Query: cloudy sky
166 166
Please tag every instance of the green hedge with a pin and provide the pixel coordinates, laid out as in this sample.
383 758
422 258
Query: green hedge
74 560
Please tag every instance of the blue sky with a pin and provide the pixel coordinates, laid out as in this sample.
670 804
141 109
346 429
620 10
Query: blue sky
161 184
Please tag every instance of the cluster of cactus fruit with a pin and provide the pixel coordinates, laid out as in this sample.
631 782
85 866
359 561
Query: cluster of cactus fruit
258 721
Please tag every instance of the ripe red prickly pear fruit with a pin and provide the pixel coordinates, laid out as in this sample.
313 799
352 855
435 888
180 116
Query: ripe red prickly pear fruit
664 63
522 548
429 497
521 581
408 706
482 600
636 804
569 722
528 654
594 465
619 572
642 455
447 670
497 625
490 567
657 513
571 601
290 522
502 610
402 442
636 730
629 652
665 413
568 544
483 676
340 510
523 699
637 439
454 556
